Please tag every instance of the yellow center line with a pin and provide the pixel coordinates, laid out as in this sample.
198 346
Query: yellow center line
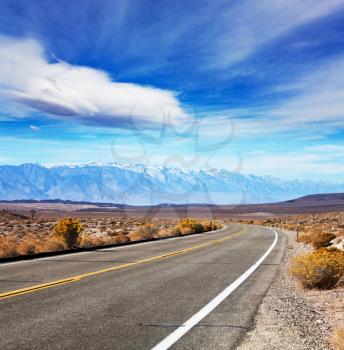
38 287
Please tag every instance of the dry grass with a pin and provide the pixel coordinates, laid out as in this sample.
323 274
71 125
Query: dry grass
23 236
320 269
89 241
144 232
321 239
191 226
166 232
316 238
119 239
50 246
316 229
27 247
322 222
8 247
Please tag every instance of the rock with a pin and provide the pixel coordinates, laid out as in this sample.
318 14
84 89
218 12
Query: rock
338 243
336 240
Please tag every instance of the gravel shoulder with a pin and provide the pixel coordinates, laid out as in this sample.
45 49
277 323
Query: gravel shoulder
290 318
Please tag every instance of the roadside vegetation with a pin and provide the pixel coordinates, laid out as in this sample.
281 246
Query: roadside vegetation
317 265
67 232
322 265
23 236
317 238
321 269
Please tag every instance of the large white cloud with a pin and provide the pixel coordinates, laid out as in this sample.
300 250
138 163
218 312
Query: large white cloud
87 94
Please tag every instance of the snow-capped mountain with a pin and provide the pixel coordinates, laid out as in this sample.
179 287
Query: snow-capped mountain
141 185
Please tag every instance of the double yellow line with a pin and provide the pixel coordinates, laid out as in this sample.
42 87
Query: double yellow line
38 287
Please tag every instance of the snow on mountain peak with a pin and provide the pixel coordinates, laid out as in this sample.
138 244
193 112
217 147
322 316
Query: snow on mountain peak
141 184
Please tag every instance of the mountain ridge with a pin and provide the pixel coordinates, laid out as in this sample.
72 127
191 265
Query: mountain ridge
139 184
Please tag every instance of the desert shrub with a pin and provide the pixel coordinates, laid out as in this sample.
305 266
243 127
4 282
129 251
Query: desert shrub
188 230
49 245
86 241
119 239
188 226
28 246
166 232
8 247
68 232
210 225
317 238
13 247
143 232
319 269
338 339
207 226
321 239
111 233
304 238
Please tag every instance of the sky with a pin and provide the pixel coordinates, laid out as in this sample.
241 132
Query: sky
249 86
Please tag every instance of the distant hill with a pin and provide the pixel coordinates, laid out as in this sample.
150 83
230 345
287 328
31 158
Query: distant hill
141 185
319 198
307 204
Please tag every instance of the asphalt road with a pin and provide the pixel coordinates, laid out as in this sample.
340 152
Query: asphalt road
141 296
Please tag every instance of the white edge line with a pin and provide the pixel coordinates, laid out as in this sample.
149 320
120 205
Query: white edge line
197 317
102 249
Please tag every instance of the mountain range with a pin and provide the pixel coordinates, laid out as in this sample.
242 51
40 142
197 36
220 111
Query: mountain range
138 184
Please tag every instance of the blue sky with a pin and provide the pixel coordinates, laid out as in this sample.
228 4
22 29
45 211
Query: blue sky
250 86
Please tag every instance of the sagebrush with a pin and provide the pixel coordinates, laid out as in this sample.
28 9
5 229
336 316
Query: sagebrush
319 269
40 235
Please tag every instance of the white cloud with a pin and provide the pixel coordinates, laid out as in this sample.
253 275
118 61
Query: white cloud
249 25
320 97
87 94
35 128
314 110
300 164
333 150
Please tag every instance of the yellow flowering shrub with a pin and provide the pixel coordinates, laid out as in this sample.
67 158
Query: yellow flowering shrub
68 232
319 269
188 226
210 225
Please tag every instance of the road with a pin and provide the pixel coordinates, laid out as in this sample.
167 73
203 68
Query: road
194 292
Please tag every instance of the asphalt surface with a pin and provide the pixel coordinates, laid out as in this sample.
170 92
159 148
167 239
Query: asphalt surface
140 303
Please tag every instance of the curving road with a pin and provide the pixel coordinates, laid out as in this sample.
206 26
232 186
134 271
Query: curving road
194 292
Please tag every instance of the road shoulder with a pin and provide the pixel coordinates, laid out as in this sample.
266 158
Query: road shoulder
286 319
